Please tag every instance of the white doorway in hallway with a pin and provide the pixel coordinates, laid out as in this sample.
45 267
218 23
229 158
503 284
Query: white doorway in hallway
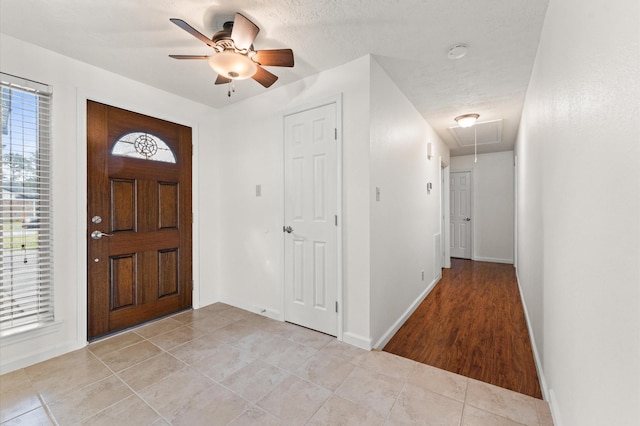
461 221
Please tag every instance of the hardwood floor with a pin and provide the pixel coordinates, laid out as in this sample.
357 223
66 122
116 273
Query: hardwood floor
472 323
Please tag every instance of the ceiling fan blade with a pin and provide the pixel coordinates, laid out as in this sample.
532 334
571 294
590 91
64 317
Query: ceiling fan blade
244 32
197 34
222 80
275 57
189 56
264 77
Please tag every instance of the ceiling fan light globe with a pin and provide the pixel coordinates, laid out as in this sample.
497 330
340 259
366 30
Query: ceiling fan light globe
233 65
466 120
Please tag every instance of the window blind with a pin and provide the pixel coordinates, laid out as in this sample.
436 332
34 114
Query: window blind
26 286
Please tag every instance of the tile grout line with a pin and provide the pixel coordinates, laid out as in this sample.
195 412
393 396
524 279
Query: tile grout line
494 413
43 404
464 401
187 365
387 417
131 389
46 406
332 391
346 397
215 382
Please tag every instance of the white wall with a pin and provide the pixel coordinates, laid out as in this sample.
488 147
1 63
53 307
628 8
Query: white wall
405 220
579 210
237 234
492 204
72 83
384 144
251 227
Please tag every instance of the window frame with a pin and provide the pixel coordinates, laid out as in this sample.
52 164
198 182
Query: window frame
32 285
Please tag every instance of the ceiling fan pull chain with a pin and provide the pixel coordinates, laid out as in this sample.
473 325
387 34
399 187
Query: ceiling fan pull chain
475 144
232 88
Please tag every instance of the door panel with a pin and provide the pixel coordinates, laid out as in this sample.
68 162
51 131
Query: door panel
124 282
311 179
460 210
123 205
319 180
168 268
319 276
168 204
140 268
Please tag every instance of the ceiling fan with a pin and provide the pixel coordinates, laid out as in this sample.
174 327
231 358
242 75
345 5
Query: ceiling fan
234 57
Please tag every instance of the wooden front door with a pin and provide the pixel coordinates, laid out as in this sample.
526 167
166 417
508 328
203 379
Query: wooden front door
138 218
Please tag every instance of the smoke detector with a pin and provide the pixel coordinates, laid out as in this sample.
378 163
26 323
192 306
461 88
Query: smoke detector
457 51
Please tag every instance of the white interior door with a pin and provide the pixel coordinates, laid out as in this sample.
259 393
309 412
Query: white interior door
460 187
310 230
443 234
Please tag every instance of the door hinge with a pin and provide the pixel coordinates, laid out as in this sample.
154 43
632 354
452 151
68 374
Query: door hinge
336 306
335 133
336 216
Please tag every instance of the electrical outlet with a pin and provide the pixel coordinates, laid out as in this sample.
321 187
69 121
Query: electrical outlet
377 193
258 190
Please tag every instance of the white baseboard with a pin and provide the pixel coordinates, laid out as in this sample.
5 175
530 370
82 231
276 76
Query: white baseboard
260 310
356 340
492 259
547 393
396 325
34 358
555 411
532 337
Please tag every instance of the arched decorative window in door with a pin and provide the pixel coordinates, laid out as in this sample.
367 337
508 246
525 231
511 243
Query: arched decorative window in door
144 146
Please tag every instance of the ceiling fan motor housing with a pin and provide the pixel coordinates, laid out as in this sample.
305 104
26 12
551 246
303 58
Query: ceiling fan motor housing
224 33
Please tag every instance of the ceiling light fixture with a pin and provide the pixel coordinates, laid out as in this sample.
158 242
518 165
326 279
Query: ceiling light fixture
234 65
466 120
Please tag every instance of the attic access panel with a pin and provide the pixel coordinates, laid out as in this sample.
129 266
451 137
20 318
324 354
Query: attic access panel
487 132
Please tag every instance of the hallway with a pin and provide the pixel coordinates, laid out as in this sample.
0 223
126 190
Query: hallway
473 324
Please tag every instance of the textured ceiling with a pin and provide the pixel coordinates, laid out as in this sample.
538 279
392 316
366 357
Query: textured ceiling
409 38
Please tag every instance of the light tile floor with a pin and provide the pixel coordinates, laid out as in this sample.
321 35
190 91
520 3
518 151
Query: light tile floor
222 365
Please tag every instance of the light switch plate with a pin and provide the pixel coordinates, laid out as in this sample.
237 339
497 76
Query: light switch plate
258 190
377 194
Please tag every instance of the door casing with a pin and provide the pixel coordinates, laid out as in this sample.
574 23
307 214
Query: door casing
444 212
